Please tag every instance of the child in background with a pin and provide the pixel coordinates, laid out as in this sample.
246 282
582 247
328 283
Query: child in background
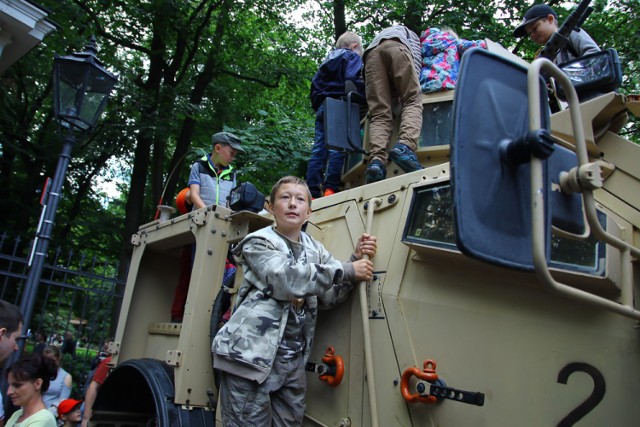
541 21
69 412
392 64
262 350
211 180
343 64
442 50
213 177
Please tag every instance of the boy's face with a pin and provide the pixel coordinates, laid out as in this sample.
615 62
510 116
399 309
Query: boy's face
224 154
541 30
291 207
73 416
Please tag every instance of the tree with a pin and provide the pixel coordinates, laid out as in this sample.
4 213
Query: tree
188 69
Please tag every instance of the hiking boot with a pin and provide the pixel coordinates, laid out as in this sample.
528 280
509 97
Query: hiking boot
328 192
375 172
405 158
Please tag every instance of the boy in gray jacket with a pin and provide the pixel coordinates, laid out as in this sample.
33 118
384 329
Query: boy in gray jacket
541 21
262 350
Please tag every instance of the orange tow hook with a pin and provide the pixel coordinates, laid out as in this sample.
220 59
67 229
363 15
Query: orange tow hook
336 368
427 374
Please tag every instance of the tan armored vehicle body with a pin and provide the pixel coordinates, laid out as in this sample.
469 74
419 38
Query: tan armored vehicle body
439 337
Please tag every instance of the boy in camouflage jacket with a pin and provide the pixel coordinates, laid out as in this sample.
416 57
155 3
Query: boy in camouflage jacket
262 350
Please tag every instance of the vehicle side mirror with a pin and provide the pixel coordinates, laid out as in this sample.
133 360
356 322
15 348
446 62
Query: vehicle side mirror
490 160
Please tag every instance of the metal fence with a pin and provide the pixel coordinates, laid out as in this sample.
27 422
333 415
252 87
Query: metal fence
79 293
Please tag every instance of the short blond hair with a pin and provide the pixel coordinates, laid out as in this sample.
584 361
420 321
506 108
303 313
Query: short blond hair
288 180
347 39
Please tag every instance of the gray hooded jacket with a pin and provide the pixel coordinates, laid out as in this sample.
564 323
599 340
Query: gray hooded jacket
248 343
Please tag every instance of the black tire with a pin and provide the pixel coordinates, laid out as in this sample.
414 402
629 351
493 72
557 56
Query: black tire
141 392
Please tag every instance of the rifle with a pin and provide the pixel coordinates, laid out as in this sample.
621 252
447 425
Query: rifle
560 38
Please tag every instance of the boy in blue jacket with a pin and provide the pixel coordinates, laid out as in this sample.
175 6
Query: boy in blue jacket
341 65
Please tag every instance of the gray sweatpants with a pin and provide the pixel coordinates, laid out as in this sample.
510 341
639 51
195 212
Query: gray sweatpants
278 401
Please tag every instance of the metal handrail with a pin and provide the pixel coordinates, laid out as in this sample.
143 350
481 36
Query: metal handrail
368 348
538 202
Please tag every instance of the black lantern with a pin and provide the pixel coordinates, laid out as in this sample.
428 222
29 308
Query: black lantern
81 87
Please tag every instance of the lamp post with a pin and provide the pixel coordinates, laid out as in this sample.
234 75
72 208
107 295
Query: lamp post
81 87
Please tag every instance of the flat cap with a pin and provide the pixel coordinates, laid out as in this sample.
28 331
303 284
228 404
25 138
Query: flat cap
227 138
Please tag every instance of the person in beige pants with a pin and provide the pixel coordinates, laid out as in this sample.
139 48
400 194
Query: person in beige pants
392 65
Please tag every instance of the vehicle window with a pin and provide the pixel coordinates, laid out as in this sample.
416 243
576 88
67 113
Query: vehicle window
431 217
583 255
437 122
430 223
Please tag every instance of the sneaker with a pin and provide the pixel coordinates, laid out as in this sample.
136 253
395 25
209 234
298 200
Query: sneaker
315 193
375 172
328 192
405 158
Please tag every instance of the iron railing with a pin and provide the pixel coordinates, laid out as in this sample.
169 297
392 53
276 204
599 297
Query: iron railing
77 292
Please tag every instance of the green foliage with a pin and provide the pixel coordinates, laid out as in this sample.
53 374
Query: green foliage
278 143
190 68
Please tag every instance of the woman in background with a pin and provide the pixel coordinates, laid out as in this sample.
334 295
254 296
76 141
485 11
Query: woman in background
60 387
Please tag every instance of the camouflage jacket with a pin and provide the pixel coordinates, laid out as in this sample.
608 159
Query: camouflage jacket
247 344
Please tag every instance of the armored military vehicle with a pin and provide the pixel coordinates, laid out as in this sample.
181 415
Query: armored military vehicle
505 279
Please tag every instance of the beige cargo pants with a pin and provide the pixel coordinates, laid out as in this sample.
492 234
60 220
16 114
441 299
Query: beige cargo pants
390 72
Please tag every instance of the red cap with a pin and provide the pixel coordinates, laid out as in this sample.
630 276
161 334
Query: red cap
67 406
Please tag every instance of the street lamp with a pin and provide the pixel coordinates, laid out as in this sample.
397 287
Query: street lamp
81 87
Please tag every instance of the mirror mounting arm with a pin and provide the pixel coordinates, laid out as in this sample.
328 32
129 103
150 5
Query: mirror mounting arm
538 143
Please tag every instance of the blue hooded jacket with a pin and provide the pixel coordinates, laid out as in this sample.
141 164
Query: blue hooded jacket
339 66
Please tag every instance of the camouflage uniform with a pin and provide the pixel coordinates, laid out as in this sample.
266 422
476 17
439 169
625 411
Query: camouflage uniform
277 274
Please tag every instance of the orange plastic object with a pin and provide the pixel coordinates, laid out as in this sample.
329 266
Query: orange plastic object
427 374
331 359
181 202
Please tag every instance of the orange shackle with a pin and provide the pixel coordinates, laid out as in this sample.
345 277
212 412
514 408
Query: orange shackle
427 374
330 359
